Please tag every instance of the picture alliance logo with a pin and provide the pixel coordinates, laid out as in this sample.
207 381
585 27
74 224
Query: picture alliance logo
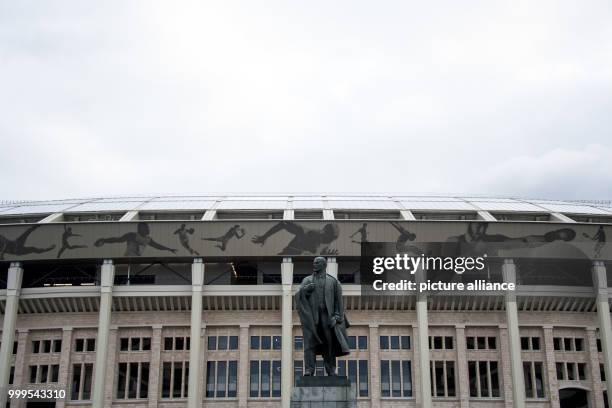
411 264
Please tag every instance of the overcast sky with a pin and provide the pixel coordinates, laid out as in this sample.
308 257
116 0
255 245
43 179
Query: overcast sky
123 97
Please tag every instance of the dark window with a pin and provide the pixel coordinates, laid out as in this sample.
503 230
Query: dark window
210 379
524 343
492 343
394 342
179 343
57 346
221 377
79 346
352 342
222 342
146 343
212 342
298 343
266 342
363 378
557 343
265 378
384 342
362 342
232 378
33 373
135 343
405 342
276 342
254 342
395 379
124 344
276 378
36 347
233 342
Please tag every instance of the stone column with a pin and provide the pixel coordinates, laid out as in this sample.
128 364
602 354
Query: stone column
594 374
107 277
63 382
600 282
551 368
286 332
332 267
155 370
20 366
243 365
109 386
514 341
374 365
423 344
13 287
505 373
195 368
462 367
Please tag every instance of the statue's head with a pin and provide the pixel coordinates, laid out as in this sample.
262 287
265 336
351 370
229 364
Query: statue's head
143 229
319 264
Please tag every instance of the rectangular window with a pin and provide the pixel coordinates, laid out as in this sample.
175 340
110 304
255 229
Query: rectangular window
385 384
298 343
90 345
254 342
483 379
33 374
534 379
179 343
233 342
232 379
276 378
222 343
81 381
396 388
265 378
405 342
210 379
47 346
560 371
212 342
298 369
266 342
54 373
581 371
35 347
383 342
124 344
276 342
352 342
57 346
395 344
579 343
442 378
492 341
79 345
135 343
167 378
362 342
133 380
557 343
363 378
221 378
44 372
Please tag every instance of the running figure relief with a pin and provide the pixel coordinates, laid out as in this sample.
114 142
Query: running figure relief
65 244
401 244
235 232
599 238
18 247
135 242
183 236
363 234
305 240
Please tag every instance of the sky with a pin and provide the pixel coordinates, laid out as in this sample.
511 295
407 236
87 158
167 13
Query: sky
509 98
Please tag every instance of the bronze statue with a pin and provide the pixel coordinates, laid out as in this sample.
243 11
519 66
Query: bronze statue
319 305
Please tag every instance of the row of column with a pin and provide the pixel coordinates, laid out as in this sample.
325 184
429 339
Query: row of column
102 376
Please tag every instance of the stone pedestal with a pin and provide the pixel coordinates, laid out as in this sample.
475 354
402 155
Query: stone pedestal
324 392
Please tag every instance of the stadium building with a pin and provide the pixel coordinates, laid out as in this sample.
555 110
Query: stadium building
174 301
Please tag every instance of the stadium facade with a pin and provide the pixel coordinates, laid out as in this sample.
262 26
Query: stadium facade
103 298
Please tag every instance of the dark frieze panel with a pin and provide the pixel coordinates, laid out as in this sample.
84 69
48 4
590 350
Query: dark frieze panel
271 238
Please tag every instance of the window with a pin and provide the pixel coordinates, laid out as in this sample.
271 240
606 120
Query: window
221 379
357 372
568 344
84 345
46 346
352 342
484 379
481 343
441 343
135 343
298 343
396 378
602 372
571 371
276 342
442 378
266 342
254 342
133 380
212 342
394 342
265 378
362 342
233 342
43 374
82 375
298 370
530 343
534 379
175 379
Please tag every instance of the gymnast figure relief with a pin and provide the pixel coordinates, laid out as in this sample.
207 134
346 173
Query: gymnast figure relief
234 232
183 235
18 246
309 240
135 242
65 244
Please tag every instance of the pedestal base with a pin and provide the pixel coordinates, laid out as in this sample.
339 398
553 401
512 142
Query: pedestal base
323 392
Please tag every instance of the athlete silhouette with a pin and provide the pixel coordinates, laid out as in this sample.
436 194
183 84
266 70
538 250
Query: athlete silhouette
183 235
234 232
17 246
65 244
304 239
135 242
600 240
363 232
404 236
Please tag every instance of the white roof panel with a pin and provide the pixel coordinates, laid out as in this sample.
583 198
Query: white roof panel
308 204
177 205
105 206
438 205
364 205
252 205
573 208
38 209
507 206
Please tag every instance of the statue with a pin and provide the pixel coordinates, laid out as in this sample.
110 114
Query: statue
319 305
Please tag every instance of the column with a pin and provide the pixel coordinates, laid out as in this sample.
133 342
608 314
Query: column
423 344
374 365
63 382
514 341
155 370
600 282
332 267
13 287
551 368
505 373
107 276
462 367
286 332
109 386
195 368
594 374
19 378
243 365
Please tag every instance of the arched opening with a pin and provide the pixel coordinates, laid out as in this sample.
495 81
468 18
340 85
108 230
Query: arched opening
573 398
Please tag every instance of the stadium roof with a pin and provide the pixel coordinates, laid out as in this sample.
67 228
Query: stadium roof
297 201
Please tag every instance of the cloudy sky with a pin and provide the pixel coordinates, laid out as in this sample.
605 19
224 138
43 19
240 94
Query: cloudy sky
122 97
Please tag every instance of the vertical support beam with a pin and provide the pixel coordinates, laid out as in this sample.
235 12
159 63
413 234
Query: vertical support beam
462 367
155 370
514 343
551 368
286 332
600 282
243 365
195 369
64 368
596 384
107 277
423 343
109 387
332 267
506 365
374 365
19 379
13 287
